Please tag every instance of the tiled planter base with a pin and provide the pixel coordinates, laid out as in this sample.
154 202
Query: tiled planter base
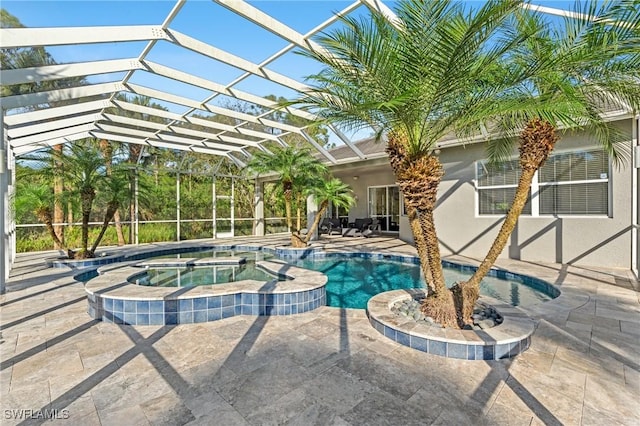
506 340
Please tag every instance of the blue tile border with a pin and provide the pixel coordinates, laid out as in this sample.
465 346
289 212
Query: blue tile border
185 309
507 340
202 309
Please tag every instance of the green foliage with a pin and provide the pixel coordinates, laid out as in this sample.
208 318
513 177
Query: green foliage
575 72
333 191
157 232
295 168
288 163
37 238
423 76
86 179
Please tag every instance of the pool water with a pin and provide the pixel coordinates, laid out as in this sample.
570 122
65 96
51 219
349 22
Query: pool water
353 281
205 275
201 275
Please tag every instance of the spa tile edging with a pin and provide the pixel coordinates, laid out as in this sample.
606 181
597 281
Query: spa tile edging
506 340
113 298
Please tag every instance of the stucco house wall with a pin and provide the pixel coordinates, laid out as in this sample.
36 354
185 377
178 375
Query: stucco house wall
582 240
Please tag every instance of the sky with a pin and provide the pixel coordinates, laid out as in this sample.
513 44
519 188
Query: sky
201 19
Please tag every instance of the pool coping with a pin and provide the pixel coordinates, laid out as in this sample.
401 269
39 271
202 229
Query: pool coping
505 340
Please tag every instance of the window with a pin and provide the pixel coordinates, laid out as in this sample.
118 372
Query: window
338 213
384 205
574 183
496 185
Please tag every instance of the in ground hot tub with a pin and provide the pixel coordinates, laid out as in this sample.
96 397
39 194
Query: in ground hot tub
114 297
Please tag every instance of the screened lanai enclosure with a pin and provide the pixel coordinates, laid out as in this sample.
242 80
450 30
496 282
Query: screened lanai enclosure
180 95
183 92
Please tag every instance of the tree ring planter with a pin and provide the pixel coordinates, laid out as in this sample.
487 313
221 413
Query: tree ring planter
506 340
297 253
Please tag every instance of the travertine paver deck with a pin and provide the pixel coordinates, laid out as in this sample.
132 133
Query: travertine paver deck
324 367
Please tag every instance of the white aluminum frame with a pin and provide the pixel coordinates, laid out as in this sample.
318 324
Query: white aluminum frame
23 131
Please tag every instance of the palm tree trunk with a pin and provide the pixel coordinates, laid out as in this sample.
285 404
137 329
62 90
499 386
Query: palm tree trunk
428 229
119 233
287 187
471 288
419 179
69 214
440 304
316 221
397 159
537 140
87 202
44 214
421 246
112 208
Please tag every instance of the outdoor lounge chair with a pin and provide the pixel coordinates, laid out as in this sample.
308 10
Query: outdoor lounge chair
356 228
373 230
329 226
325 226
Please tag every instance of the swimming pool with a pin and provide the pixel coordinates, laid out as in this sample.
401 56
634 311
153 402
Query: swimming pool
354 278
353 281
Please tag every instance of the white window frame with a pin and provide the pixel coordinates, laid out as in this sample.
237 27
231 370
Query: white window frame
478 188
400 206
536 186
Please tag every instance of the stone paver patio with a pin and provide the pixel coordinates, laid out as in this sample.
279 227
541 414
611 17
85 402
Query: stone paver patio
328 366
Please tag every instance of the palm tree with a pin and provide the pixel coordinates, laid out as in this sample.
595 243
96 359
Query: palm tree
39 198
290 164
106 147
417 78
583 66
329 191
116 188
84 173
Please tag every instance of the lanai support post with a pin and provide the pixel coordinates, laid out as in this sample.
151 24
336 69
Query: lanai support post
5 248
214 208
258 202
635 199
178 206
136 208
312 212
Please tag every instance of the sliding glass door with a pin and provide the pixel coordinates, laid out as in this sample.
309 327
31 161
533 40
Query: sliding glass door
384 205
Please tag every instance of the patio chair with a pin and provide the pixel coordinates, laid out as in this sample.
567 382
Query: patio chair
325 226
356 228
330 226
373 230
336 226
